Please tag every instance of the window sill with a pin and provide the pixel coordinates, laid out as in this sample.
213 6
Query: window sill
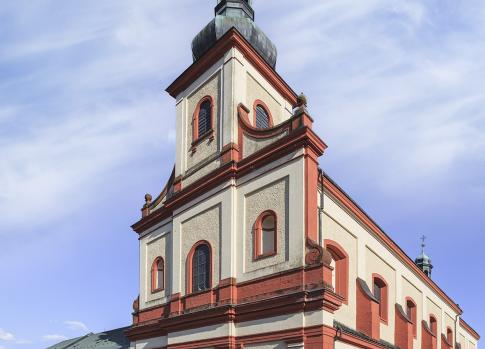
197 293
208 135
384 321
158 290
264 256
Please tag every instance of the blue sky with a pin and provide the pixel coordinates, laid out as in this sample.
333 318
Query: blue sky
396 88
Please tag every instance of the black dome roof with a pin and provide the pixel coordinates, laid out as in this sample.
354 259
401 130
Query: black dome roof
236 14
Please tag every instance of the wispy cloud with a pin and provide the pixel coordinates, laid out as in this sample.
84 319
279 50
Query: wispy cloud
6 336
76 326
23 341
53 337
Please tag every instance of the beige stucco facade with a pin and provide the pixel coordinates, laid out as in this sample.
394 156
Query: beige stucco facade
224 216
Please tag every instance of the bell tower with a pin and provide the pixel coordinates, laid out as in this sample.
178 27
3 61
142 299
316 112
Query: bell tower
237 221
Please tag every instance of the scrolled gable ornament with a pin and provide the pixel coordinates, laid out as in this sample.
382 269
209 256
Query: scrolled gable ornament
316 254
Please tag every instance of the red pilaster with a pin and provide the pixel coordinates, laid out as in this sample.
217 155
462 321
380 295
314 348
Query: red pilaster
403 332
368 320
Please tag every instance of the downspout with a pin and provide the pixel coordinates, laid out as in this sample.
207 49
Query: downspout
455 340
338 334
320 209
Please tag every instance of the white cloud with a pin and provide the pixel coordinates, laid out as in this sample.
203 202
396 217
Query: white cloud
23 341
54 337
6 336
76 325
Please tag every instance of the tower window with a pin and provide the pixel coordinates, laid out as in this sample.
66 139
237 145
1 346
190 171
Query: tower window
201 268
202 122
380 293
204 118
265 235
158 275
262 116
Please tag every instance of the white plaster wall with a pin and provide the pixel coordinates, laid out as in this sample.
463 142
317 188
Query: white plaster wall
372 256
410 290
252 145
151 343
332 230
154 244
202 226
275 197
376 264
259 88
289 175
209 83
248 328
207 147
256 91
342 345
204 170
267 345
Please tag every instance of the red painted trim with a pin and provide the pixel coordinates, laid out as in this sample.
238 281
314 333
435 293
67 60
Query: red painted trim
154 272
469 329
428 338
196 138
341 259
300 137
445 343
449 335
188 273
267 110
367 311
412 310
311 192
359 214
232 39
277 294
384 301
258 236
403 329
433 324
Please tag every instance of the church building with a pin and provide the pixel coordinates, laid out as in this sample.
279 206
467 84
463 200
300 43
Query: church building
251 244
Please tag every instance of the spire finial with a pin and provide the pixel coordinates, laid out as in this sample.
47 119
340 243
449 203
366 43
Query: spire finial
423 245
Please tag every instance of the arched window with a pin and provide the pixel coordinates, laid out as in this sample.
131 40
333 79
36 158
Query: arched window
158 275
201 268
262 116
381 294
265 235
449 335
411 311
341 272
202 120
433 324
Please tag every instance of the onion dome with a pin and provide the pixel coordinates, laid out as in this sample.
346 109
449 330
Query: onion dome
236 14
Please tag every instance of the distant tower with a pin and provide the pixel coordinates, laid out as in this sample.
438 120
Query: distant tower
423 261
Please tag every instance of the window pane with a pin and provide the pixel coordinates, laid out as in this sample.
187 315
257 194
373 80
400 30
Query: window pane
268 241
269 223
377 292
204 118
262 118
160 278
201 269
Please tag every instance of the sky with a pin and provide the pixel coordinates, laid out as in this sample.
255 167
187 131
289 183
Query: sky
396 88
